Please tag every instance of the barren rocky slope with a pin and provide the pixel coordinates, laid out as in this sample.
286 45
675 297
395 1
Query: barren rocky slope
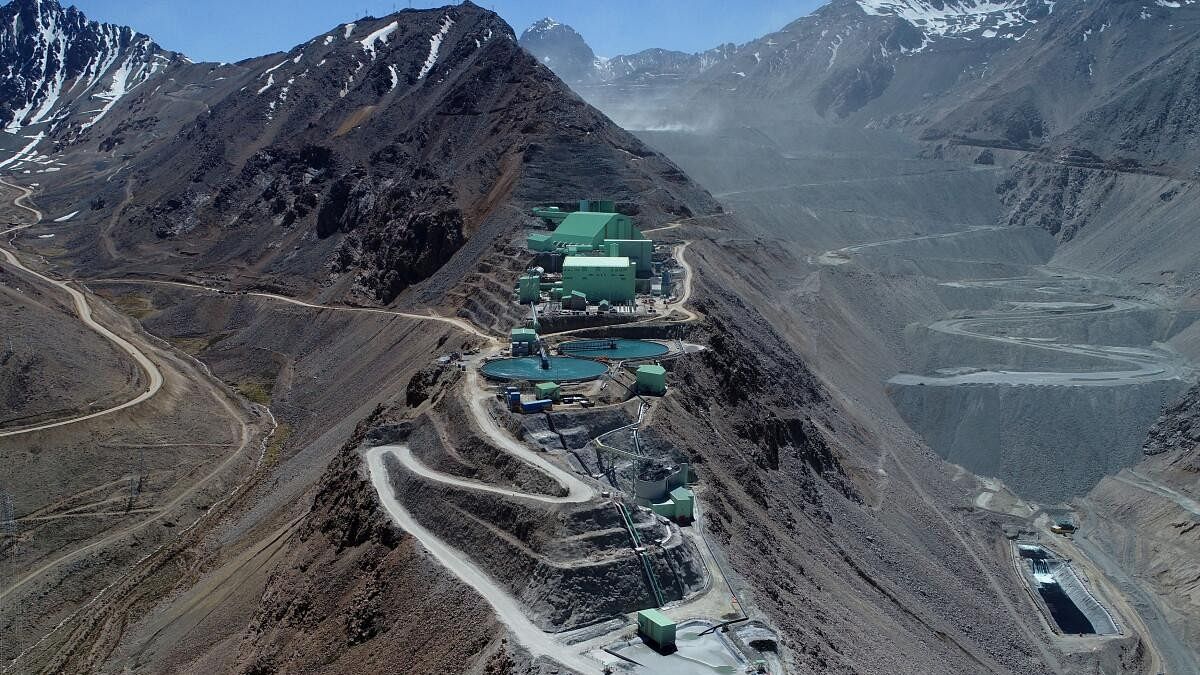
1145 520
359 162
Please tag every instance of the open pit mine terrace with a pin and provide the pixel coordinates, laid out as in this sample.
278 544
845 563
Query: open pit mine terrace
629 583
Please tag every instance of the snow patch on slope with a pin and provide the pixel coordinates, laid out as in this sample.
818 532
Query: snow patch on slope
964 19
381 35
435 44
50 79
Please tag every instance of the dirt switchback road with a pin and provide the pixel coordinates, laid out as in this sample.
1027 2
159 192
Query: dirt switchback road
507 609
85 314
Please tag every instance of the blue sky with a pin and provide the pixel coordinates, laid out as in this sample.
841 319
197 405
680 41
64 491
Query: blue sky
230 30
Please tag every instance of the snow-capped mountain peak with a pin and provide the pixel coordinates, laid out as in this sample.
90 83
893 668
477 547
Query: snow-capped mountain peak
543 25
59 63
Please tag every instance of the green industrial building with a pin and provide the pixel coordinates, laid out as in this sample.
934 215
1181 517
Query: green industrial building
652 380
657 628
599 278
679 505
640 251
523 335
592 229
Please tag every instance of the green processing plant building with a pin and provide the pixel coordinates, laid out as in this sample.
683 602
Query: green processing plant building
600 278
586 229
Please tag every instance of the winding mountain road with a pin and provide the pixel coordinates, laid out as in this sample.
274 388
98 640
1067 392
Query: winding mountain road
153 374
1135 365
1140 364
457 323
403 453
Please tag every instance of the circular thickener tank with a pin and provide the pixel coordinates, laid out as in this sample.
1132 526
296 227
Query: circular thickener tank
562 369
617 349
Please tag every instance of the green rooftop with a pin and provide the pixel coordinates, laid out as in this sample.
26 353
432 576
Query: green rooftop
681 493
657 618
583 228
523 335
592 228
595 261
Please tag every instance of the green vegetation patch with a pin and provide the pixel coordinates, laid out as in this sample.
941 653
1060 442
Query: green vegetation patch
276 443
135 305
197 345
256 389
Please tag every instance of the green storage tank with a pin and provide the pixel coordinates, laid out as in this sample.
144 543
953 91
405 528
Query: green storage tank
529 289
548 390
600 278
657 628
652 380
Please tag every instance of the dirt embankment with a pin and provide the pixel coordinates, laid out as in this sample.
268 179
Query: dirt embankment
1147 518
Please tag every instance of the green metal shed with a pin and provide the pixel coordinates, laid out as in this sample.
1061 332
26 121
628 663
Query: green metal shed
652 380
656 627
665 509
551 214
684 500
549 390
540 242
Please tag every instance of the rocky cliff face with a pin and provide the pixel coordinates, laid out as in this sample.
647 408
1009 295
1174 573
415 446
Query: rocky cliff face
1178 429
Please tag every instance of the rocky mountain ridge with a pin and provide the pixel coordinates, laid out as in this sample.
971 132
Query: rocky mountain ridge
564 51
358 162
